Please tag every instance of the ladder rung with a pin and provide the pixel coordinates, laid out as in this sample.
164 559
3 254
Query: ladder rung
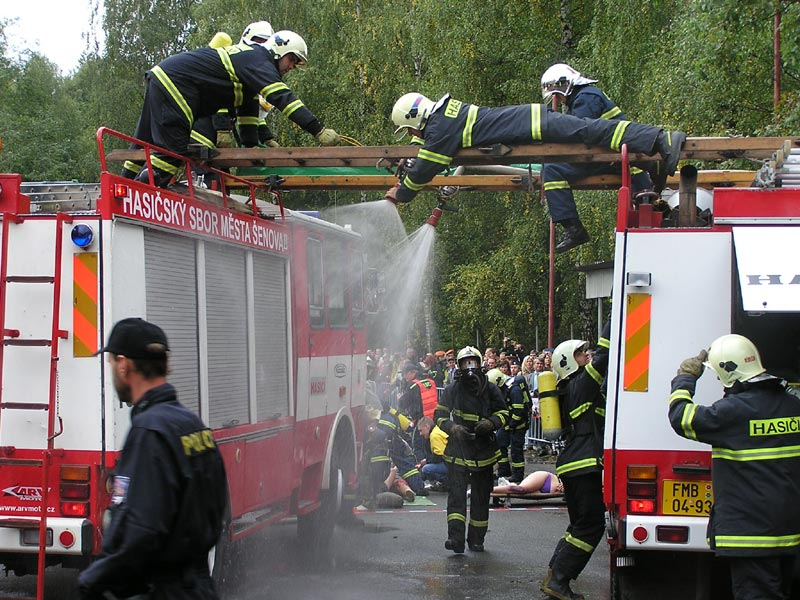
26 342
30 279
25 405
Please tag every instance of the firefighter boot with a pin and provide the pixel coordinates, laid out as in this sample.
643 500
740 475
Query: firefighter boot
668 145
575 234
556 585
161 179
457 547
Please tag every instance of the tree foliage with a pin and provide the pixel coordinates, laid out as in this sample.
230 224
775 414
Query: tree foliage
704 66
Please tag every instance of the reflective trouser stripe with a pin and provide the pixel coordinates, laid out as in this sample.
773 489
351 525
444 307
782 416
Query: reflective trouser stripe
174 93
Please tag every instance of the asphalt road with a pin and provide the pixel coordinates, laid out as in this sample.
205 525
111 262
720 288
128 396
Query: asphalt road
393 555
400 554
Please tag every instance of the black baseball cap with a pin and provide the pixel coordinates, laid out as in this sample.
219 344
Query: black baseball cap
411 367
136 338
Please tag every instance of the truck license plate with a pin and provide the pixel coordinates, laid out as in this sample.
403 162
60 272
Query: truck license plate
693 498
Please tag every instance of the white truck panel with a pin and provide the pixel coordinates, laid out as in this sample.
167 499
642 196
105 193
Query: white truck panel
687 271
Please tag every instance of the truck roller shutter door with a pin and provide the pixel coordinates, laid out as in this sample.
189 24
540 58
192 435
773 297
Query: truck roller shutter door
171 296
271 342
226 306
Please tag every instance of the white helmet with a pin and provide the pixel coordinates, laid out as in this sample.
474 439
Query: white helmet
560 79
734 358
470 356
564 363
497 377
411 110
257 32
286 42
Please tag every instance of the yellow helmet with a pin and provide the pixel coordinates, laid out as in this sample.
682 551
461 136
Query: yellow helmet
257 32
734 358
286 42
564 363
497 377
411 111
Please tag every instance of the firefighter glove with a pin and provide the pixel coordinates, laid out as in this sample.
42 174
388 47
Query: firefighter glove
272 143
459 432
484 427
693 366
328 137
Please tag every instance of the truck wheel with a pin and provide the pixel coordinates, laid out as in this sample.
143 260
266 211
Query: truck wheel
315 530
220 556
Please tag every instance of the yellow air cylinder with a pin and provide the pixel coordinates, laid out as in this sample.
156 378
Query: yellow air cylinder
220 40
549 408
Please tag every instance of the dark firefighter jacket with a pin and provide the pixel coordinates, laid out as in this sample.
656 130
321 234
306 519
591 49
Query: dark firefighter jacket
205 80
590 102
583 415
460 406
168 503
754 434
453 125
519 404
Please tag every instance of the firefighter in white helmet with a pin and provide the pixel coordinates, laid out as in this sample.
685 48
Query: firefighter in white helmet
754 432
582 98
198 83
580 464
469 412
447 125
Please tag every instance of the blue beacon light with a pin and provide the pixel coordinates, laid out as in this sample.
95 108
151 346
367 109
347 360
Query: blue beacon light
82 236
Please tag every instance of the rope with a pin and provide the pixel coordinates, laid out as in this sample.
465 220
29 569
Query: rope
350 140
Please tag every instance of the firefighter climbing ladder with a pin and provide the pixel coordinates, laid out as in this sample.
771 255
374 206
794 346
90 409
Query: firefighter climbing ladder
14 338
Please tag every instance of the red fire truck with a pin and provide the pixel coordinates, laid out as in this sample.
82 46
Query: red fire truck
264 312
677 286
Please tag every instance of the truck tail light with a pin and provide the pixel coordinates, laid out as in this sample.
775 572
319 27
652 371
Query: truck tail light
641 506
75 491
75 509
75 485
674 534
642 489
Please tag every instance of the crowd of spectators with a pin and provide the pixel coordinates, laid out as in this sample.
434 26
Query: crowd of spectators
395 373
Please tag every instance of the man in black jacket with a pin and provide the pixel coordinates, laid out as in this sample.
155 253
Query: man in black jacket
170 488
198 83
754 432
580 464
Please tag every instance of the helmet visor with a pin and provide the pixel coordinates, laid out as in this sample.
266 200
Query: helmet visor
401 132
469 362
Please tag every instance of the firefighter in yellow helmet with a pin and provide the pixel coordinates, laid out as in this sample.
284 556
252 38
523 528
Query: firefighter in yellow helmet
469 412
754 432
580 464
